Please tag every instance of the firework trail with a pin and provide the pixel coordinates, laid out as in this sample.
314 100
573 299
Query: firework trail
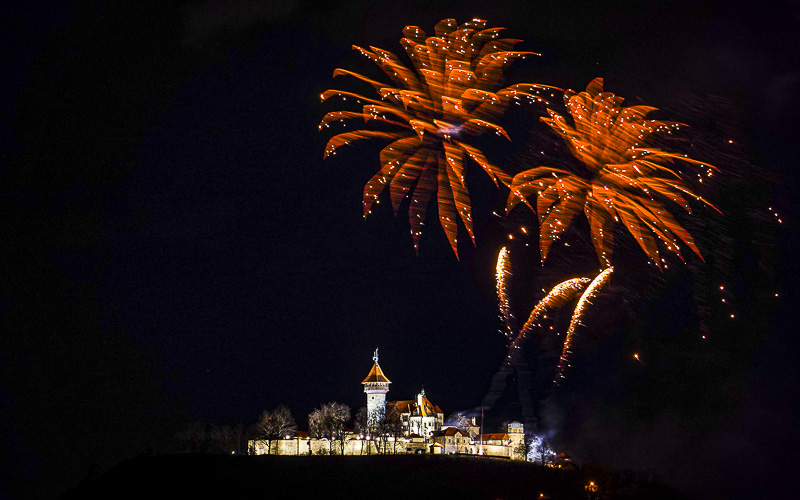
430 114
623 181
577 316
559 296
502 274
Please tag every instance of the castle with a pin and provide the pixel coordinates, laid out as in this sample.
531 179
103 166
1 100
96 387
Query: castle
423 430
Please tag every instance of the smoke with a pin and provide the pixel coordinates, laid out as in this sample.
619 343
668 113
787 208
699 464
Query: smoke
214 17
539 449
461 419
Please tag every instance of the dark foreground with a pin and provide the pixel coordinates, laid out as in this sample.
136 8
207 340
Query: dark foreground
384 477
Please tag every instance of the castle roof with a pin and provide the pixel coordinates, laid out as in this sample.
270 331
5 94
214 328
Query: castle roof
427 409
499 436
449 431
403 406
376 376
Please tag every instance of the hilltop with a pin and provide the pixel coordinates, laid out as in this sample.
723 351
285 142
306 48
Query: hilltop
222 476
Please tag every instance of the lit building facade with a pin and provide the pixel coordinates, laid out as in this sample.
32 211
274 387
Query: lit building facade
423 430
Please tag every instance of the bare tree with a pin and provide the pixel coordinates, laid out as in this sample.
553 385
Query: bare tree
226 439
392 424
378 430
194 438
251 434
362 428
341 415
534 449
539 449
240 436
523 448
388 423
316 423
275 425
547 452
329 422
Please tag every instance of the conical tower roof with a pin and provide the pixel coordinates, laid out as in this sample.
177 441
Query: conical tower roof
376 376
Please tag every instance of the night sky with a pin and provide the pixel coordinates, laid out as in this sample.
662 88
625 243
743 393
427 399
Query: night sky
175 248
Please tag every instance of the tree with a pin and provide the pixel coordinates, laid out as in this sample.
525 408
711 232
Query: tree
226 439
538 449
379 430
275 425
362 428
390 425
329 421
194 438
205 437
251 435
521 450
546 451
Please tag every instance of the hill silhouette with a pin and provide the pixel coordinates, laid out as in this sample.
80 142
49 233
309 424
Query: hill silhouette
221 476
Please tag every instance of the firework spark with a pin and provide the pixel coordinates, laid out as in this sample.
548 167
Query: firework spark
451 95
560 295
502 274
577 317
623 181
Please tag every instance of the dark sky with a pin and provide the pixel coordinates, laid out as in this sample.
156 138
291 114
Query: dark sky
174 247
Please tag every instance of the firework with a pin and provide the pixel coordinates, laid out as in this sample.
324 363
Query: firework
430 113
577 316
502 274
559 296
623 181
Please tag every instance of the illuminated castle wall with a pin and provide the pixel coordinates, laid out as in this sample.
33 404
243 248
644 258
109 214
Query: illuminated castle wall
423 430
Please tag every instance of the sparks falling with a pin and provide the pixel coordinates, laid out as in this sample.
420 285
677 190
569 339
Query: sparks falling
560 295
624 181
502 274
450 96
577 317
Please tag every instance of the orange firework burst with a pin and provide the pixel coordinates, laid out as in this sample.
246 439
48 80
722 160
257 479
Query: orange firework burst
577 316
624 181
449 96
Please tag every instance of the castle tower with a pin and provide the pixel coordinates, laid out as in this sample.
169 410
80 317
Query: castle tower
516 435
376 385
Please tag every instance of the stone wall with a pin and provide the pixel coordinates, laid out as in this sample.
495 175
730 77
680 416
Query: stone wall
356 446
352 446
